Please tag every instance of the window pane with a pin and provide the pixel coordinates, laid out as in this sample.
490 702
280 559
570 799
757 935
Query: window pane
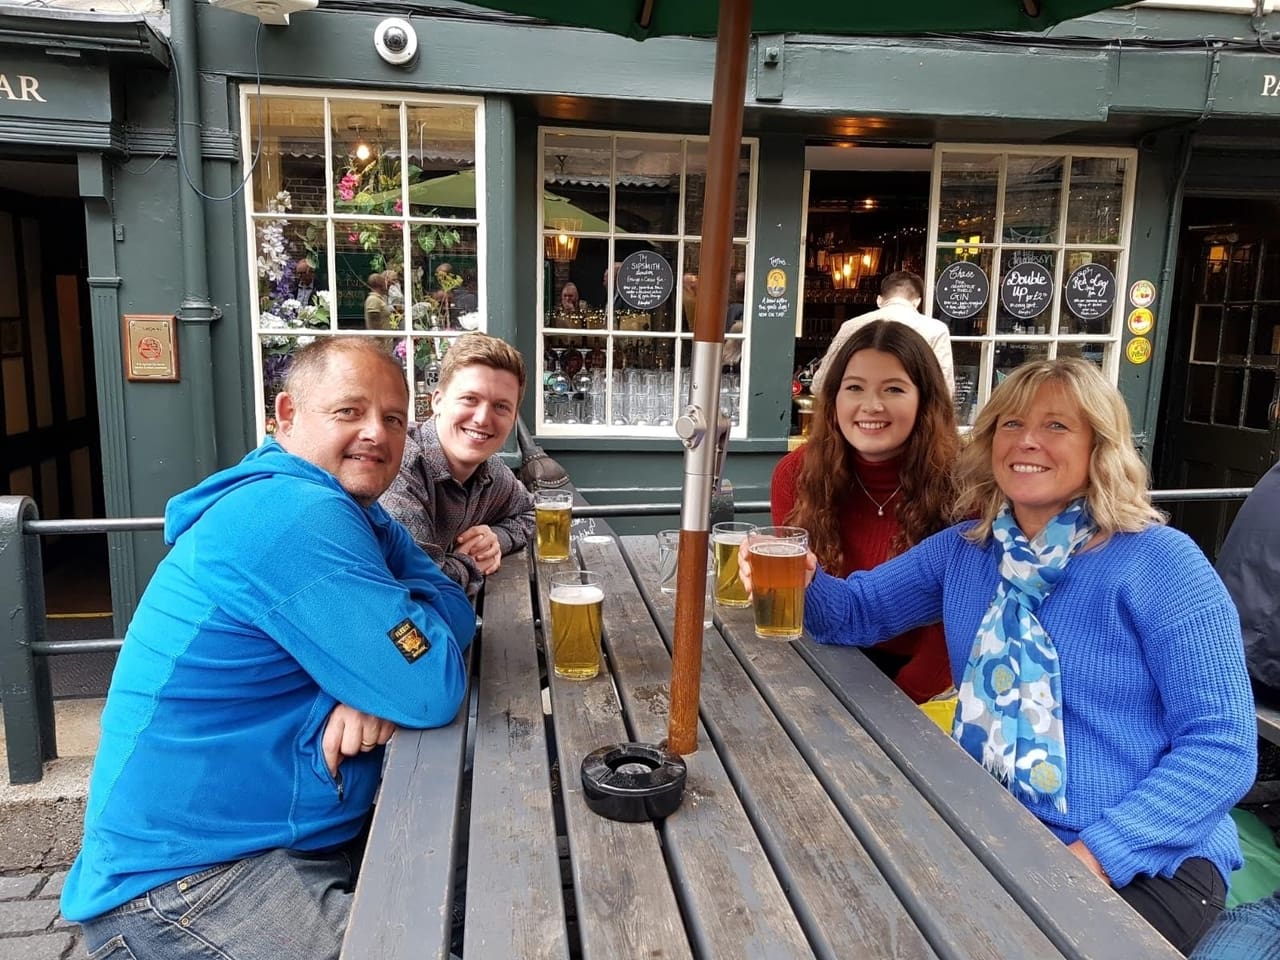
577 168
695 189
967 360
967 209
1025 297
446 287
648 185
442 160
366 156
1269 289
1097 199
365 251
292 261
1243 275
287 136
975 324
1205 339
644 382
1010 356
1097 319
577 286
1199 391
1095 353
1032 195
1262 390
629 316
1235 332
1266 336
736 303
1228 398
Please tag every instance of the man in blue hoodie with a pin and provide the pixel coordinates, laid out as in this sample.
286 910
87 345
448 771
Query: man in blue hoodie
291 628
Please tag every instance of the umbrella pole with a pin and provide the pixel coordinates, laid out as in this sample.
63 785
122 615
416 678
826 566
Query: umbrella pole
698 426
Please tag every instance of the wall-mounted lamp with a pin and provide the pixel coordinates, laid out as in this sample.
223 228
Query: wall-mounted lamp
561 246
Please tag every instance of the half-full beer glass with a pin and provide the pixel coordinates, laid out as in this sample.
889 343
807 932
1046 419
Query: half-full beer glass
577 608
777 580
552 510
726 541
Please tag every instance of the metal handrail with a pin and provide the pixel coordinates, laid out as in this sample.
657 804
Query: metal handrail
28 701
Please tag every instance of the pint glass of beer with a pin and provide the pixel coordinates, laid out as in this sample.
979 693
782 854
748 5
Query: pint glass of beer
577 606
552 510
777 580
726 541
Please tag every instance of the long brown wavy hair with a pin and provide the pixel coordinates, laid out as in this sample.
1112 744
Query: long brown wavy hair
826 482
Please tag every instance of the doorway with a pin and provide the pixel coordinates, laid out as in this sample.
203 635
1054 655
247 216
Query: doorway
867 215
1221 406
48 397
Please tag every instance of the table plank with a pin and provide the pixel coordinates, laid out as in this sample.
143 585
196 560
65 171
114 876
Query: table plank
1082 916
624 901
733 903
402 906
515 907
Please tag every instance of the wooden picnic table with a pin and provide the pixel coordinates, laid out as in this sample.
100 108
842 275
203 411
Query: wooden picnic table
824 816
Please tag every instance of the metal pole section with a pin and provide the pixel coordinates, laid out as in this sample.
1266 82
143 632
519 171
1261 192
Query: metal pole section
24 681
697 426
197 312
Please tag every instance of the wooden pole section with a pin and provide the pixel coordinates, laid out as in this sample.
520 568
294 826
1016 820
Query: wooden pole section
728 92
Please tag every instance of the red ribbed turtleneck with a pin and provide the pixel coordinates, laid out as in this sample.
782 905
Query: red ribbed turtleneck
866 541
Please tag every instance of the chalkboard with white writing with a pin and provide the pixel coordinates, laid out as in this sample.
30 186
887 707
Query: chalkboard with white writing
961 290
645 280
1091 291
1026 290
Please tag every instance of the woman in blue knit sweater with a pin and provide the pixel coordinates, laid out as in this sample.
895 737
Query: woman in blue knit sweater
1097 654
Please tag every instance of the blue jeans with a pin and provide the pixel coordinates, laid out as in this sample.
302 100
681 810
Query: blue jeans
281 905
1250 931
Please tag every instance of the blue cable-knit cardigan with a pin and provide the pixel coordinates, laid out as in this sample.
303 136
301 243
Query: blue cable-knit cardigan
1157 710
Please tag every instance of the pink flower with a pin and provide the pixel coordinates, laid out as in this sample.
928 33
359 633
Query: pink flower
399 207
352 238
347 185
397 226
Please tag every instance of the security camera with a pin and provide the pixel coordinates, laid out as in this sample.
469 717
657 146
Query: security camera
395 41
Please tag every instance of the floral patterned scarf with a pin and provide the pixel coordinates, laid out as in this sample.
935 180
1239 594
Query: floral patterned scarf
1010 707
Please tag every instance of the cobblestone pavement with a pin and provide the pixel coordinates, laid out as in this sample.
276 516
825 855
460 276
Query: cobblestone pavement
30 926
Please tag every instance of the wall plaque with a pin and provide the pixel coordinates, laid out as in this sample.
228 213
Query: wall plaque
151 347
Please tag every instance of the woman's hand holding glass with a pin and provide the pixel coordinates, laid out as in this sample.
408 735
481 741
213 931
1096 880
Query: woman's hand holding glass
744 567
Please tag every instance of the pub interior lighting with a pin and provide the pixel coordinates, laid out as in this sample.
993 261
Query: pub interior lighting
561 246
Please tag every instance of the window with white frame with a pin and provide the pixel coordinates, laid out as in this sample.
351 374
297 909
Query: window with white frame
366 215
1030 247
621 223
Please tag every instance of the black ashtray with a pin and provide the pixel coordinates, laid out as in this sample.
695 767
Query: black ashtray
633 782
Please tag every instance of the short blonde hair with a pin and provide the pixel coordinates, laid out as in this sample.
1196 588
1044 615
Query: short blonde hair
480 348
1117 493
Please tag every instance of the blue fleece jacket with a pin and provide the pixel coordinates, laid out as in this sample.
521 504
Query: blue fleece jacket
282 597
1157 712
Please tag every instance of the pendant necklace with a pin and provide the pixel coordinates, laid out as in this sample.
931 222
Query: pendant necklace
879 506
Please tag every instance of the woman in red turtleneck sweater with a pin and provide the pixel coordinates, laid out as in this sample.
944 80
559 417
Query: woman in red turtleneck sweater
876 477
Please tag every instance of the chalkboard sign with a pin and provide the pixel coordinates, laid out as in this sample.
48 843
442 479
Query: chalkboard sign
1026 290
1091 291
961 290
645 280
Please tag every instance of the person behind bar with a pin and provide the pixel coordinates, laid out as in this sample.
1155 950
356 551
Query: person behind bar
1097 654
901 294
876 477
460 502
291 628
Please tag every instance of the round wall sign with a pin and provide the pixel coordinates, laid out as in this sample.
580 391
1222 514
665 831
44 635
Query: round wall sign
961 290
1026 290
645 280
1142 293
1091 291
1141 320
1138 351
